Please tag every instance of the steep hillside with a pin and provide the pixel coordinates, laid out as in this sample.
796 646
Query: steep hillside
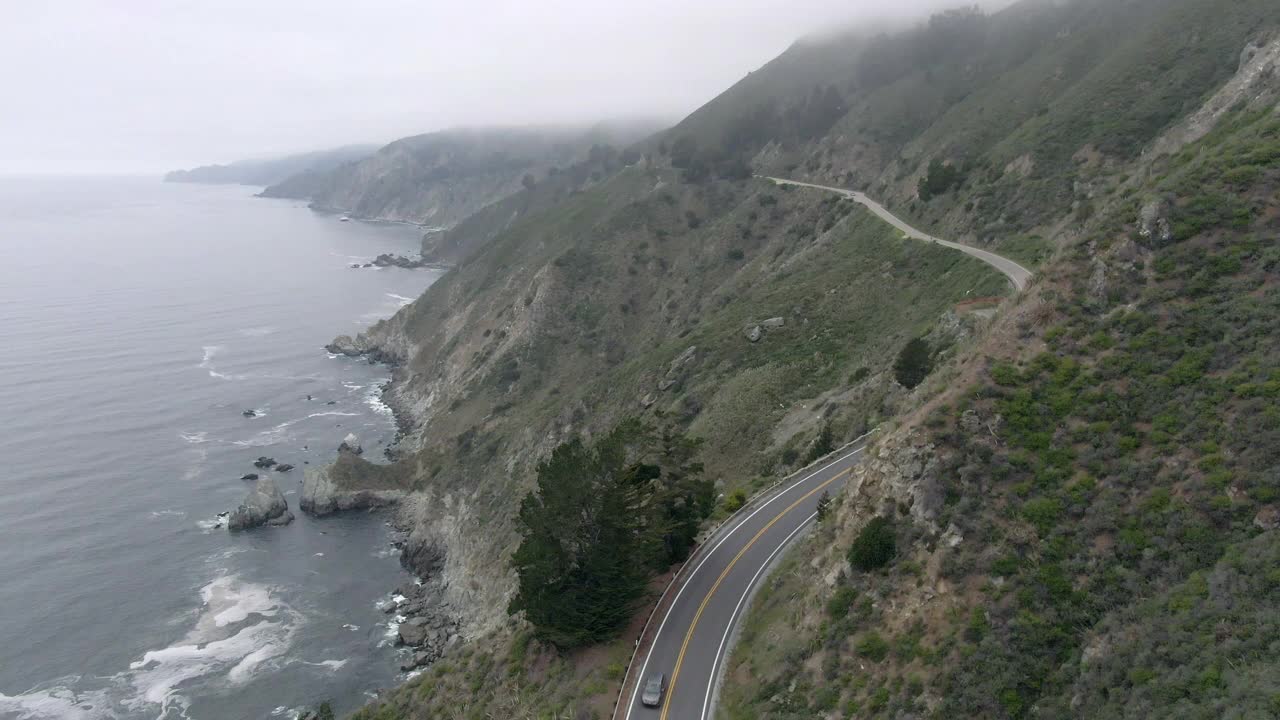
1087 526
439 178
269 171
674 288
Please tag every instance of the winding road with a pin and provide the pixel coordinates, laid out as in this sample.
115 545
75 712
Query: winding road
694 628
1017 274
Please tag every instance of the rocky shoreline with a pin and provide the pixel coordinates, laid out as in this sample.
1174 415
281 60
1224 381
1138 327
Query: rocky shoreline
359 347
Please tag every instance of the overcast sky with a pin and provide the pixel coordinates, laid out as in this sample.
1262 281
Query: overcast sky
149 85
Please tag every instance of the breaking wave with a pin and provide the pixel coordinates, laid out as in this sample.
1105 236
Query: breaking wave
241 630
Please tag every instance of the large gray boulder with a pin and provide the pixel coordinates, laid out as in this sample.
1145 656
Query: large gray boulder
265 505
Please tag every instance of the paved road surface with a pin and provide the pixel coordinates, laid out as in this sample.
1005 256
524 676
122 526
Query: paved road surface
1017 274
693 635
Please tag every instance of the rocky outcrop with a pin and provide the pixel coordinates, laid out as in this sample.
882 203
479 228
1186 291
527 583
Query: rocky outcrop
351 444
321 494
1255 84
426 630
265 505
389 260
1153 223
898 473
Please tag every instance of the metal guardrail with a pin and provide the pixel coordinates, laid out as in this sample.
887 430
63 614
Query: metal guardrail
679 577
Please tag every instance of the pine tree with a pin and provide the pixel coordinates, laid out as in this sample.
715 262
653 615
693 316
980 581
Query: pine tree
824 506
914 363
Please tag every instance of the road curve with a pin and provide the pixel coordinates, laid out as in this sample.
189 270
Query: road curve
1017 274
694 632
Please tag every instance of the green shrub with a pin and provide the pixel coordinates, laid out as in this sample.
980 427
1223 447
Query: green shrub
872 647
914 363
875 546
735 501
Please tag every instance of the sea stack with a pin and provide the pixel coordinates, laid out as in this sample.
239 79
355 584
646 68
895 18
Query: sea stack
265 505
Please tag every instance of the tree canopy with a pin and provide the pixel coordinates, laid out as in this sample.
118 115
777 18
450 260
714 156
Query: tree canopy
603 519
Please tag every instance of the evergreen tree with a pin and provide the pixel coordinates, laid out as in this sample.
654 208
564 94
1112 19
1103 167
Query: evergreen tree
601 520
914 363
824 506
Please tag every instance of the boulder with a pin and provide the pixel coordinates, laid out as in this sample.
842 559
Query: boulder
414 632
775 322
249 476
1268 518
264 462
351 444
264 505
284 467
250 413
664 385
754 333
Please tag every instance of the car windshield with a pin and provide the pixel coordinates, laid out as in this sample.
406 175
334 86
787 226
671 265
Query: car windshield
653 685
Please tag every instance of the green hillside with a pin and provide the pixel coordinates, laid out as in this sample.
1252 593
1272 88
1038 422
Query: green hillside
1091 496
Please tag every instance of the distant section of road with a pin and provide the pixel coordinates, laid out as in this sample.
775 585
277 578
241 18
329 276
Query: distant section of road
1017 274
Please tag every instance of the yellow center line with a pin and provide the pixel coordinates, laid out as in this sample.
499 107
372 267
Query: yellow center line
675 673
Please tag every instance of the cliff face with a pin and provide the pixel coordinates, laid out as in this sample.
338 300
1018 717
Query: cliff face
440 178
272 170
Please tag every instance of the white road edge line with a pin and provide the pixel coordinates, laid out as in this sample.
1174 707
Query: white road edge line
733 618
645 666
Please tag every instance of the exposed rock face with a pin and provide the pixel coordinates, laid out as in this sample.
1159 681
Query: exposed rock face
321 495
1268 518
265 505
754 333
897 473
1254 84
1153 223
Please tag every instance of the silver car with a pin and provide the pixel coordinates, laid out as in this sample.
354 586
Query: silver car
653 689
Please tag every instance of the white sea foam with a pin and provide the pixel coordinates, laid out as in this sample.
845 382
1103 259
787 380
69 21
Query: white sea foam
241 628
194 438
351 627
206 363
333 413
400 299
373 398
168 513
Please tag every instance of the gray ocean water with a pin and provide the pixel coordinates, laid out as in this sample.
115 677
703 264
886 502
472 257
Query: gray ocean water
137 321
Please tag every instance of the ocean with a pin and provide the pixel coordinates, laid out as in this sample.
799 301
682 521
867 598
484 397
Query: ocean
138 321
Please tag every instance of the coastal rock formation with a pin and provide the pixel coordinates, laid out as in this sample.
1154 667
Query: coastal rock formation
389 260
265 505
321 494
346 345
351 444
264 462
